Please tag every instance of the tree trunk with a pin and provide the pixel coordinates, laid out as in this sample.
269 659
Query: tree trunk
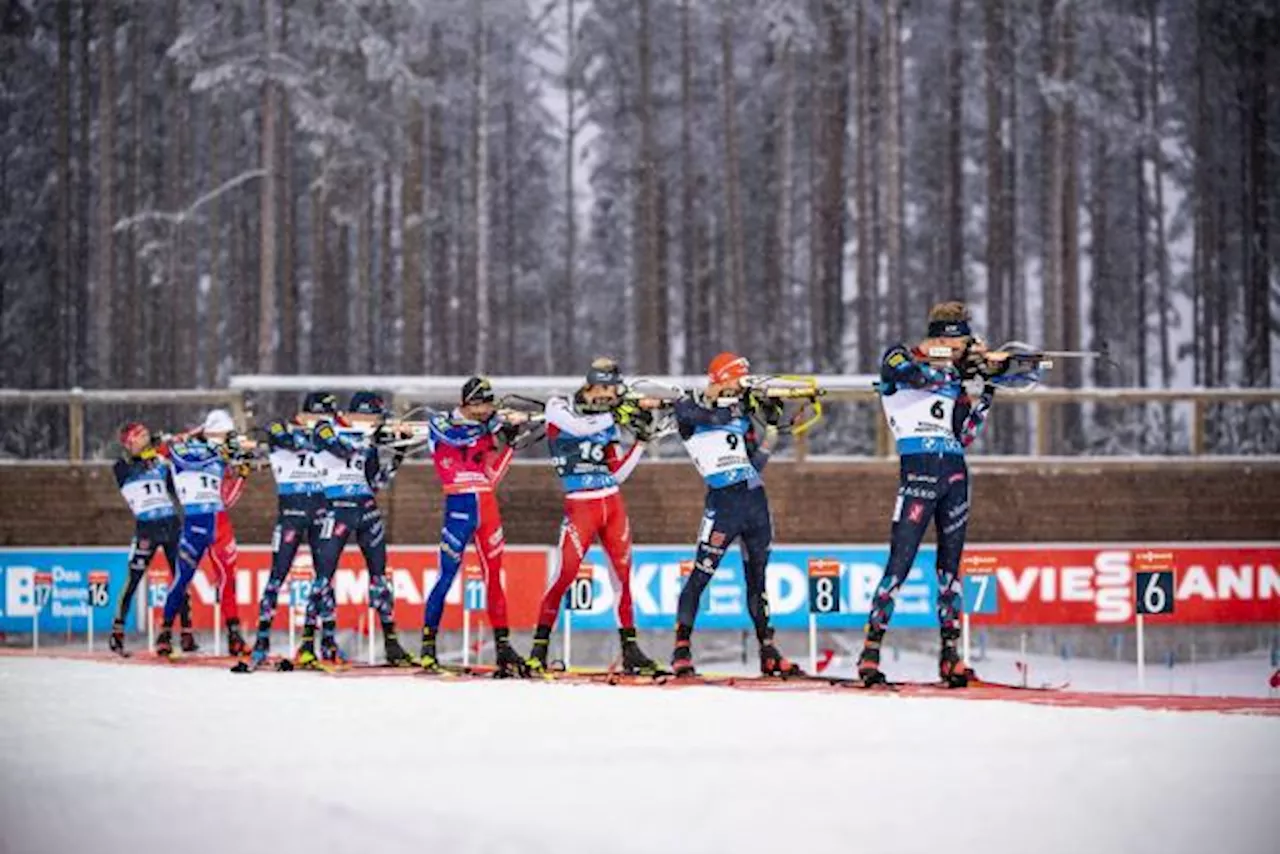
438 229
829 323
735 295
689 275
1142 310
1162 245
893 163
1051 296
63 259
287 204
484 339
866 300
322 344
412 226
662 268
80 285
993 20
269 188
359 358
512 254
567 300
176 307
777 304
1257 274
384 338
954 205
104 293
652 324
1206 241
1070 262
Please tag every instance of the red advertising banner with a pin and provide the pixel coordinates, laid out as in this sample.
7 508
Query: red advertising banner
413 572
1087 585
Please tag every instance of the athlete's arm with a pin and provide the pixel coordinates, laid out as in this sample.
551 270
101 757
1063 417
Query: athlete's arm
562 417
623 464
900 368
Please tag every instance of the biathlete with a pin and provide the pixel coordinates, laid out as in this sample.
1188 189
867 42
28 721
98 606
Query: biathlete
587 452
349 452
301 507
928 395
145 479
472 448
720 430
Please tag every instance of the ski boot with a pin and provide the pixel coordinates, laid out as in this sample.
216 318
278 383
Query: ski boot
869 666
509 662
235 641
306 658
189 641
952 670
427 654
261 647
330 651
773 662
634 661
537 659
164 644
116 641
682 659
397 656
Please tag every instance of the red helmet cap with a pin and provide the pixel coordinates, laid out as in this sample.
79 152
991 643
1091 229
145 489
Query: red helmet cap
132 430
728 367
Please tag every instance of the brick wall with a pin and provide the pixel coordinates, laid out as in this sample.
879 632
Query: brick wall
1036 501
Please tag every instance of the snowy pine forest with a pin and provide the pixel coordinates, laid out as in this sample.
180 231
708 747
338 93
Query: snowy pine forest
191 189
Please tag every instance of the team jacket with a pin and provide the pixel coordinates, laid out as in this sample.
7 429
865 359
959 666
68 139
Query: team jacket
146 483
293 457
586 451
198 470
351 464
466 453
721 441
928 408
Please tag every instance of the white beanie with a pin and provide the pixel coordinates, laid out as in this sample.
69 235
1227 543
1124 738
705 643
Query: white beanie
219 421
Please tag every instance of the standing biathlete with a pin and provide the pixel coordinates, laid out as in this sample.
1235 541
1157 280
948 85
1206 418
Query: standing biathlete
145 478
934 417
301 508
586 448
348 452
471 448
218 428
720 435
198 470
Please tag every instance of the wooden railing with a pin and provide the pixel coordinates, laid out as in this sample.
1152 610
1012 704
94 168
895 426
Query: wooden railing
406 390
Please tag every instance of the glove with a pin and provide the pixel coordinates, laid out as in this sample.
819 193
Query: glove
972 362
509 432
624 413
995 367
642 423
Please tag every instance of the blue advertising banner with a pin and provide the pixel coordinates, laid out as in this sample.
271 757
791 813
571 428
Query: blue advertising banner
69 602
656 585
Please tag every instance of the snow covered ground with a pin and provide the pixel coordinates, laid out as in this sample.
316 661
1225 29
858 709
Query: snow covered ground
106 758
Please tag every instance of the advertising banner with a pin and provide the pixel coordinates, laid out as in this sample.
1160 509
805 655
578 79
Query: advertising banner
1219 583
1214 583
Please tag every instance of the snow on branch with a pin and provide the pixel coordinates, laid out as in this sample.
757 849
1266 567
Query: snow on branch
179 217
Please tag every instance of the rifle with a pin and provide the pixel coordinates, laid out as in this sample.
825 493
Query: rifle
790 388
1026 364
